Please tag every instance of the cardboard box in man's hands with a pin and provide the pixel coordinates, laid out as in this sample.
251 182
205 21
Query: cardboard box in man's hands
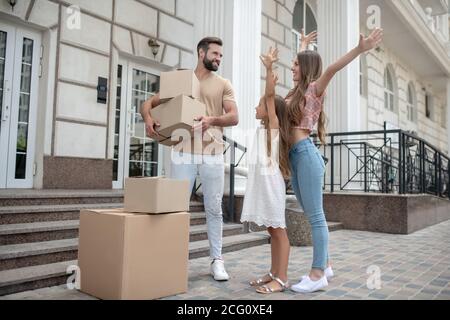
181 82
177 114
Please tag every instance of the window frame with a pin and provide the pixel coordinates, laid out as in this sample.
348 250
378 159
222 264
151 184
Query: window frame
411 103
296 41
429 106
389 95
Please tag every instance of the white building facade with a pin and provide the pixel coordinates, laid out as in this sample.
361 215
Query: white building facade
61 129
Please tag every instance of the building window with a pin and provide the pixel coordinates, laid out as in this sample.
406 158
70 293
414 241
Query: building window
411 104
389 90
303 19
429 106
363 76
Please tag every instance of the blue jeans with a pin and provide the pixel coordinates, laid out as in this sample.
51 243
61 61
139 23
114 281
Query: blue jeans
308 169
212 176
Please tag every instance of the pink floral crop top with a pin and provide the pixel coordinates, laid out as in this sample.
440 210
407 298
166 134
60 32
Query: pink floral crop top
312 108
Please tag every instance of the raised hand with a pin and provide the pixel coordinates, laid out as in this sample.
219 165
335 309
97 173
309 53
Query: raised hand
365 44
308 39
372 41
270 58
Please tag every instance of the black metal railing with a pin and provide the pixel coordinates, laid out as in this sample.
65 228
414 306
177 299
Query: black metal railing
386 161
383 161
232 147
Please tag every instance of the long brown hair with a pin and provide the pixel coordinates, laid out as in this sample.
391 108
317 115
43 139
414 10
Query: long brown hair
281 112
310 70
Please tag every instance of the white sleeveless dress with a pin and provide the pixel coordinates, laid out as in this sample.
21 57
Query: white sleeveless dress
265 195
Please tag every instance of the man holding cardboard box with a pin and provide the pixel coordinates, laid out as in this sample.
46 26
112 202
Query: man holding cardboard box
205 155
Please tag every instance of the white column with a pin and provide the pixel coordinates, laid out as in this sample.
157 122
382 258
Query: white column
214 18
46 98
246 63
238 23
338 28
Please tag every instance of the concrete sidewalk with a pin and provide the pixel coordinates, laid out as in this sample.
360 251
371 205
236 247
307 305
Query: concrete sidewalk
414 266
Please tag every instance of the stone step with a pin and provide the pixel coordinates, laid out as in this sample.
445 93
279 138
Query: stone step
31 254
199 232
36 277
37 253
10 198
45 213
200 249
196 206
57 230
54 274
198 218
335 226
38 232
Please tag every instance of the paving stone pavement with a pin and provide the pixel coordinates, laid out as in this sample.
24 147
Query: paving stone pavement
415 266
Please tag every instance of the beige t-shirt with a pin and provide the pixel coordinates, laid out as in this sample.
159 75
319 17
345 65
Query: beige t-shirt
214 91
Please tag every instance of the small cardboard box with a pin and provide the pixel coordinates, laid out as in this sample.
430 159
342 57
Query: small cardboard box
127 256
156 195
181 82
178 113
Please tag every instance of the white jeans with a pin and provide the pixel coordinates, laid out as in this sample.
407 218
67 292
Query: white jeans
212 176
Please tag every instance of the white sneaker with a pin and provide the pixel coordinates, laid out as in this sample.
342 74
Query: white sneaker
218 270
328 273
309 286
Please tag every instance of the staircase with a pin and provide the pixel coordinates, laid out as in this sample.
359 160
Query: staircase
39 234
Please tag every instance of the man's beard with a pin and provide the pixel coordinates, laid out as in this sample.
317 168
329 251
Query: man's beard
209 65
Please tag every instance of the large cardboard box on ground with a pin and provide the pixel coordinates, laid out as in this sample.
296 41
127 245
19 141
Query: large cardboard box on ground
180 82
156 195
178 113
128 256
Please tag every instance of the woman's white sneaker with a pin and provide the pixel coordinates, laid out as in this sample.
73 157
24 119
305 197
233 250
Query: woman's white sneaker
328 273
309 286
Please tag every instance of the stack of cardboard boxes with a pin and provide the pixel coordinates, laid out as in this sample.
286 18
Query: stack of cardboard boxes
142 251
180 94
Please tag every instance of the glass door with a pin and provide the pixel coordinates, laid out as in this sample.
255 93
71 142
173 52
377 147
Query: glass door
135 155
19 60
6 72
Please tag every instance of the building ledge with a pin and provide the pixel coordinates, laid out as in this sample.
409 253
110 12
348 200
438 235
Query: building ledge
439 7
412 19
